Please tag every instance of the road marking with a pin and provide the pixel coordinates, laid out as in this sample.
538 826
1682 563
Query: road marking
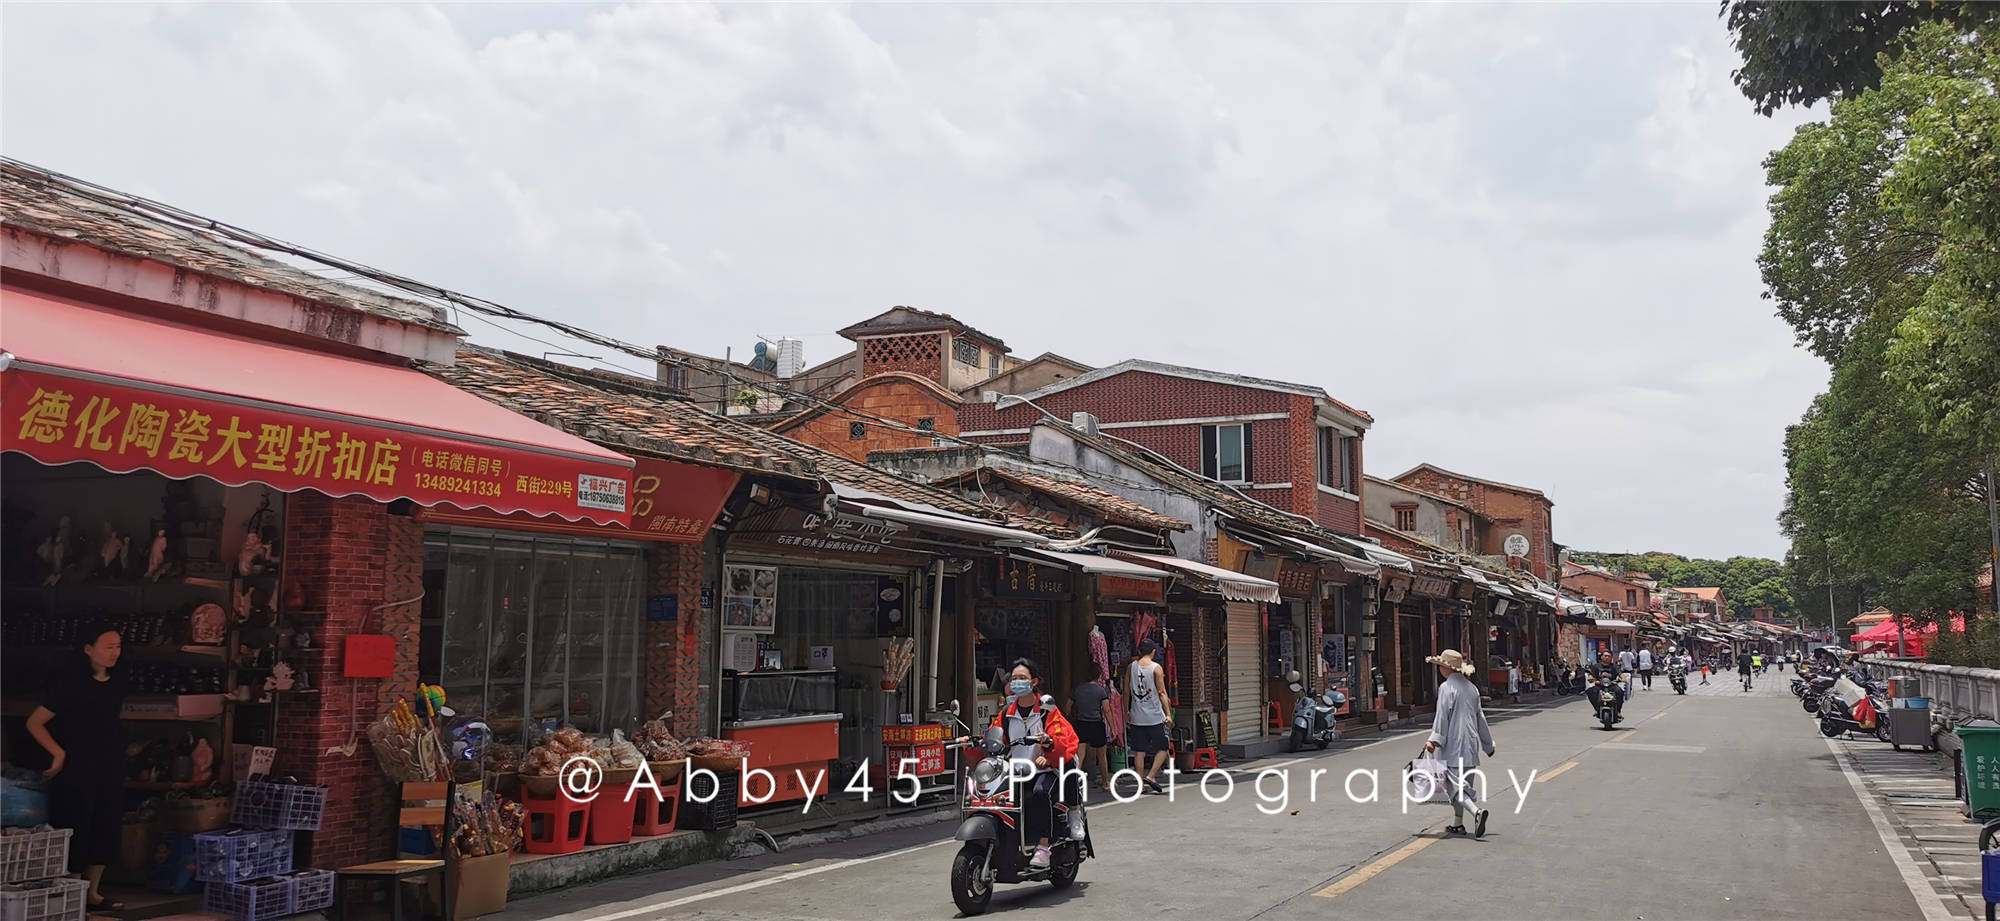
1625 735
1375 869
1272 767
1927 898
1545 778
651 907
1645 747
1660 715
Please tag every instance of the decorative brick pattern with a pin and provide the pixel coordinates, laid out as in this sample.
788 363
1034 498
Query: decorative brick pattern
351 556
919 354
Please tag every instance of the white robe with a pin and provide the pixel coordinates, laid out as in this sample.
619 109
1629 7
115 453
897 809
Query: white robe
1460 728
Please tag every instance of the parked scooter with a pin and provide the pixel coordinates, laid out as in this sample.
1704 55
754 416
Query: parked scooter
1569 680
1848 707
995 803
1312 716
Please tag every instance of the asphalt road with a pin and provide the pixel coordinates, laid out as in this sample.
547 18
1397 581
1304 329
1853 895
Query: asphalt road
1719 804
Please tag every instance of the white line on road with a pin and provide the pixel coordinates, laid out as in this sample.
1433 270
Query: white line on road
651 907
1646 747
1927 898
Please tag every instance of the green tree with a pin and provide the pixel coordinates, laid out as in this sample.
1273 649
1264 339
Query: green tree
1802 53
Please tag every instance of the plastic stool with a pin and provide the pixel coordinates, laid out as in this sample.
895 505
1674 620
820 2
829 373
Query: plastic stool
657 817
1202 758
1275 717
611 815
556 825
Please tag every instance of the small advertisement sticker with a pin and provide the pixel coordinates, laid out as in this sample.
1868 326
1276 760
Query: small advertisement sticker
600 492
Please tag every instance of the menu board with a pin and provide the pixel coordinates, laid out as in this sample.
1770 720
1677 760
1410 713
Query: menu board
750 599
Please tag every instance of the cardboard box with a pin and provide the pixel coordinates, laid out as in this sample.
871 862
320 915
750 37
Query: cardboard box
479 886
194 815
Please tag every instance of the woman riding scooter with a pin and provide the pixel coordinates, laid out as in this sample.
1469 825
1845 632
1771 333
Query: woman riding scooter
1025 717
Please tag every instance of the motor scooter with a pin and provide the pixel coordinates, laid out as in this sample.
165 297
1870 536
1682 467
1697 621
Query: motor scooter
1313 715
994 804
1610 694
1841 711
1677 674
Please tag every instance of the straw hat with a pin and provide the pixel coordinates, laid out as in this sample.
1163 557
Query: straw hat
1452 659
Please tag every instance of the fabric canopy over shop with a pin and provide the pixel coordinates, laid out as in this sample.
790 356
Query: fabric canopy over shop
1100 565
907 513
1612 623
1352 565
127 392
1234 586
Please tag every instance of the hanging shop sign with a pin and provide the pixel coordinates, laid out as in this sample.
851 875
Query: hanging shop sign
62 419
1296 579
1395 589
1430 586
1126 588
1261 566
671 503
791 531
1023 580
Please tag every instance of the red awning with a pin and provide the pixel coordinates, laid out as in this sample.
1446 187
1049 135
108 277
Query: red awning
127 392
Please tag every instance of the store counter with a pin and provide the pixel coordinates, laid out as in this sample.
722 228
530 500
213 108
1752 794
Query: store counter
787 747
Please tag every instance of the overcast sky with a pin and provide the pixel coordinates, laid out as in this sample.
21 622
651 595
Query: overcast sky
1522 237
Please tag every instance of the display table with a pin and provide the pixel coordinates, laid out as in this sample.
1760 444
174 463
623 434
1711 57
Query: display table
787 747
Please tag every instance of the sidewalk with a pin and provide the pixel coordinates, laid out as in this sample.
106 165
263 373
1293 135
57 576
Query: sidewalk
1915 800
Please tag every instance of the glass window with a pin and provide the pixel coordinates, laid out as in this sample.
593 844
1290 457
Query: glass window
1225 451
536 632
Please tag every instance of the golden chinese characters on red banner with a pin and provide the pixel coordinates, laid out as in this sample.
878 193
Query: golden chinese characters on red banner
58 419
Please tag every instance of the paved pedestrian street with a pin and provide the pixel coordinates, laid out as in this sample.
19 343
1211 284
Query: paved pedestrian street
1718 804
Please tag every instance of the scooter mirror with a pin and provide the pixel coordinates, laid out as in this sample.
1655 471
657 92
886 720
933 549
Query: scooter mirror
1296 687
1294 677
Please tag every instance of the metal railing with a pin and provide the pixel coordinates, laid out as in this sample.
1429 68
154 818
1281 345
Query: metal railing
1957 693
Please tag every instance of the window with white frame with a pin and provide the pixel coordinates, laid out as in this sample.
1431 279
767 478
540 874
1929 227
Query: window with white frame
1225 453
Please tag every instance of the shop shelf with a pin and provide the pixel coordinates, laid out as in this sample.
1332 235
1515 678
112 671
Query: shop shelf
252 900
277 805
47 900
242 853
39 854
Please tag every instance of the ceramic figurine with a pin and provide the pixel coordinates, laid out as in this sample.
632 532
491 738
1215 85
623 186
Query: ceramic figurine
54 550
204 762
111 550
242 602
156 558
250 560
281 678
206 625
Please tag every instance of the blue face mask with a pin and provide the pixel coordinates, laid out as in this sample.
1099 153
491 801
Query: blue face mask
1020 687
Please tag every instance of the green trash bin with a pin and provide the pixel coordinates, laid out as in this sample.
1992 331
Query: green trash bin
1980 762
1117 759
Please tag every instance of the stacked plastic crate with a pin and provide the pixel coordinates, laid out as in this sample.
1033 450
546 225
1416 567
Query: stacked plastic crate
248 870
32 887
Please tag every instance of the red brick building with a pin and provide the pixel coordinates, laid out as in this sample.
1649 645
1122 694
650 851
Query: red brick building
1607 588
1291 446
915 401
1512 510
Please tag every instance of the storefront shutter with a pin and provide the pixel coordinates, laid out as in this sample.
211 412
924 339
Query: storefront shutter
1245 672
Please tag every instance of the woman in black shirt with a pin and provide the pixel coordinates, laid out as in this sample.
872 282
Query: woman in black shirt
78 724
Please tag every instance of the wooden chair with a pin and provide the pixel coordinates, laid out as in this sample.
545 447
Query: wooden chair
423 804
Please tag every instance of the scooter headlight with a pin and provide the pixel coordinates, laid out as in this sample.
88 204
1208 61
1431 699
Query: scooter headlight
988 771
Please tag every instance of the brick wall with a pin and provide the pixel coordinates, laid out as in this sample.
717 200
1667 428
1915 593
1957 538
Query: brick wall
893 396
351 556
672 675
1282 450
1509 510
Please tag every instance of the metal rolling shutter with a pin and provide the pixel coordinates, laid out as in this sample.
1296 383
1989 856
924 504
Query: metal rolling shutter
1245 674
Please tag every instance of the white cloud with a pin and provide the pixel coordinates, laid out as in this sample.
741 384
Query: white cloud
1521 236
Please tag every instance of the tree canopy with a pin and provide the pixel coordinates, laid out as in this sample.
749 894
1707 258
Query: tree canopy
1747 581
1802 53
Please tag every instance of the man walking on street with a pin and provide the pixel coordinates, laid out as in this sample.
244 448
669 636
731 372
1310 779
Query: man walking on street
1147 719
1743 666
1646 666
1627 664
1458 735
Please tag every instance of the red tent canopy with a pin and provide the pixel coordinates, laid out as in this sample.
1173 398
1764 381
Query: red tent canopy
1914 639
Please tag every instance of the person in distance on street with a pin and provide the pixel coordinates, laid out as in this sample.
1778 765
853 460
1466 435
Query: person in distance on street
1088 704
1744 663
1604 674
1147 720
1458 735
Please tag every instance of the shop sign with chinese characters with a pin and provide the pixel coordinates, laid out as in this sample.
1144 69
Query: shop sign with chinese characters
1021 579
58 420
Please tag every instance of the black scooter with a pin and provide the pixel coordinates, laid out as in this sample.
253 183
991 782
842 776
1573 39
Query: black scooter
995 806
1678 675
1610 697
